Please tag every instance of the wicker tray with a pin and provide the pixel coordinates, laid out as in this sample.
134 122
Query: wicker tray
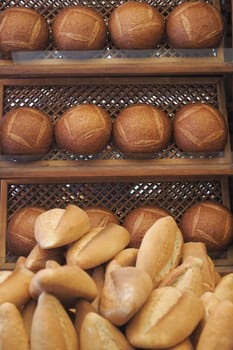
119 197
50 8
54 96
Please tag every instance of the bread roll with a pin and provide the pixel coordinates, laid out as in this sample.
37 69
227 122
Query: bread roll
67 283
84 129
127 257
25 131
98 248
139 220
200 127
195 25
224 289
100 216
51 326
125 290
82 308
217 333
160 250
98 275
22 29
27 315
79 28
12 331
184 345
141 129
20 230
58 227
98 331
208 222
135 25
38 257
162 321
4 274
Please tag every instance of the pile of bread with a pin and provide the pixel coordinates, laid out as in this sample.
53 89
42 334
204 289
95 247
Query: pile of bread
83 287
131 25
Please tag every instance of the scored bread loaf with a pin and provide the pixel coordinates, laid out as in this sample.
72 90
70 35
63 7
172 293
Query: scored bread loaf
100 216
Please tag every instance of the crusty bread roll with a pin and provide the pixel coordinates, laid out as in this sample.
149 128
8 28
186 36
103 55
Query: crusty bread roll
184 345
125 290
27 315
141 129
12 331
195 25
127 257
67 283
84 129
98 247
135 25
97 330
208 222
37 258
4 274
15 288
25 131
22 29
160 249
82 308
217 333
200 127
100 216
98 275
51 326
162 321
20 230
58 227
139 220
79 28
224 289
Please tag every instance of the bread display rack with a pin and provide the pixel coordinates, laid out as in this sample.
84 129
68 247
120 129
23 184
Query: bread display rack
54 80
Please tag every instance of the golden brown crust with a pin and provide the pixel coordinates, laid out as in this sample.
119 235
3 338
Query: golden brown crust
100 216
37 258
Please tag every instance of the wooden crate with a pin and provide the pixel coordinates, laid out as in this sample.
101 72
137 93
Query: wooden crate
109 59
55 96
119 197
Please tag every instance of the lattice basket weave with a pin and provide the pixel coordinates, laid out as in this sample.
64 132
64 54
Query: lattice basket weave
50 8
55 96
119 197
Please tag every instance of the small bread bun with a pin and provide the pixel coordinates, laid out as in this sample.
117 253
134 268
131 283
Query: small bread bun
98 275
58 227
22 29
27 315
160 250
200 127
52 328
127 257
100 216
82 308
25 130
20 230
139 220
208 222
12 331
195 25
79 28
37 258
141 128
135 25
84 129
162 321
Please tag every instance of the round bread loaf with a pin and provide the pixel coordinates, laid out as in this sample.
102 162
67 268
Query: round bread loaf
79 28
199 127
194 25
139 220
100 216
22 28
20 230
136 25
84 129
141 128
208 222
25 130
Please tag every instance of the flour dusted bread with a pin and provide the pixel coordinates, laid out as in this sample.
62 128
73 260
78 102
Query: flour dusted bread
84 129
160 250
195 25
200 127
79 28
51 326
208 222
58 227
162 321
22 28
25 131
135 25
141 129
